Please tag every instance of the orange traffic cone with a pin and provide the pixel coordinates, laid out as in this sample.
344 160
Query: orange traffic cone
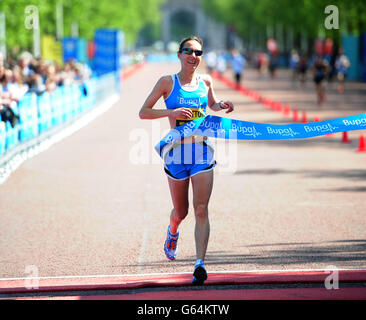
345 137
361 144
316 119
279 107
295 117
286 110
304 119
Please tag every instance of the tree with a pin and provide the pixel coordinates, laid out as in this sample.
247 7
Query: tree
254 21
128 15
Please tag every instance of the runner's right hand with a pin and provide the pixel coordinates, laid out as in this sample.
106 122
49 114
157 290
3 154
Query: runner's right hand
182 113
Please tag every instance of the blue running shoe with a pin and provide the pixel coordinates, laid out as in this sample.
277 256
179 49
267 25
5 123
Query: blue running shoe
170 245
199 274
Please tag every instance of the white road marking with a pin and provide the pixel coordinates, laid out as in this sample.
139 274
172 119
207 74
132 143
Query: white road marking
145 235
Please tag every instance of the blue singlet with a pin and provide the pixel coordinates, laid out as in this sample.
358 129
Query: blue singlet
186 160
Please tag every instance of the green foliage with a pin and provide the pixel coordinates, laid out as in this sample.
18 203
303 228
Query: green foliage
303 17
128 15
182 23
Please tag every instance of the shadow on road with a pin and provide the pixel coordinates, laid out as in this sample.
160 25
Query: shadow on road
316 142
329 253
338 253
353 174
344 189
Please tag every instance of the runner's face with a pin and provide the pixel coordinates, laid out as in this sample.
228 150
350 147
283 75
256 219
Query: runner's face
190 62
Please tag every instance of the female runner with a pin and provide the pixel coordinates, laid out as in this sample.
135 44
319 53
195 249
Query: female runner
186 95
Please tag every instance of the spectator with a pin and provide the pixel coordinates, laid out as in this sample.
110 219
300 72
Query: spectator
29 74
51 78
262 64
210 59
294 61
68 74
238 64
24 64
341 64
16 86
320 70
302 68
332 68
273 64
7 101
221 64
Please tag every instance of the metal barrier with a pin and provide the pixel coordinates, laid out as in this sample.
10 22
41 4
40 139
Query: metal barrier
39 114
2 137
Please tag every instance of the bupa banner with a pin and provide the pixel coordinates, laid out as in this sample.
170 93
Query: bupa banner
224 128
108 50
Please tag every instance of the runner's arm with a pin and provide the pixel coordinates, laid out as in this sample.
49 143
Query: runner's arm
214 103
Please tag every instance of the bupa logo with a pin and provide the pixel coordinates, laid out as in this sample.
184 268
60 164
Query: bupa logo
189 102
357 122
320 128
287 132
246 131
169 139
212 125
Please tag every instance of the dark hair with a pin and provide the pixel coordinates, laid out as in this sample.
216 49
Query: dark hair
195 38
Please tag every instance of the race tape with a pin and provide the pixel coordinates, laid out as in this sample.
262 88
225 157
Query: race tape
225 128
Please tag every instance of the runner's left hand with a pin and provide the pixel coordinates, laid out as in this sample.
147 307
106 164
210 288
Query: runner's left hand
227 105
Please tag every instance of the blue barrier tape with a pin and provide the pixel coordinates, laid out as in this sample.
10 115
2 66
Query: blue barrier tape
224 128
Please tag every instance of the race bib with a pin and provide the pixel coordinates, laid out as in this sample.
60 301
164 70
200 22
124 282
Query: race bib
197 113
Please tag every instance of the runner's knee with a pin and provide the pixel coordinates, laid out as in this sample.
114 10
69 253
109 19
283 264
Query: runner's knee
180 212
201 211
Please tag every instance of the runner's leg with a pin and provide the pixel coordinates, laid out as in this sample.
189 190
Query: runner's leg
179 195
202 184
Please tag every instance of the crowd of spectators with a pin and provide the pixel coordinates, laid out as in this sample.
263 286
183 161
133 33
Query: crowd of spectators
29 74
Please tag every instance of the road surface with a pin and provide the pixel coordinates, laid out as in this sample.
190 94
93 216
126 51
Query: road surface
98 203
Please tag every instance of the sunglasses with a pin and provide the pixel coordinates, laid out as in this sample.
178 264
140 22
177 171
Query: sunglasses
190 51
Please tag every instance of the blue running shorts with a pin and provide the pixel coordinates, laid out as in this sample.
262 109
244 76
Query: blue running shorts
186 160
